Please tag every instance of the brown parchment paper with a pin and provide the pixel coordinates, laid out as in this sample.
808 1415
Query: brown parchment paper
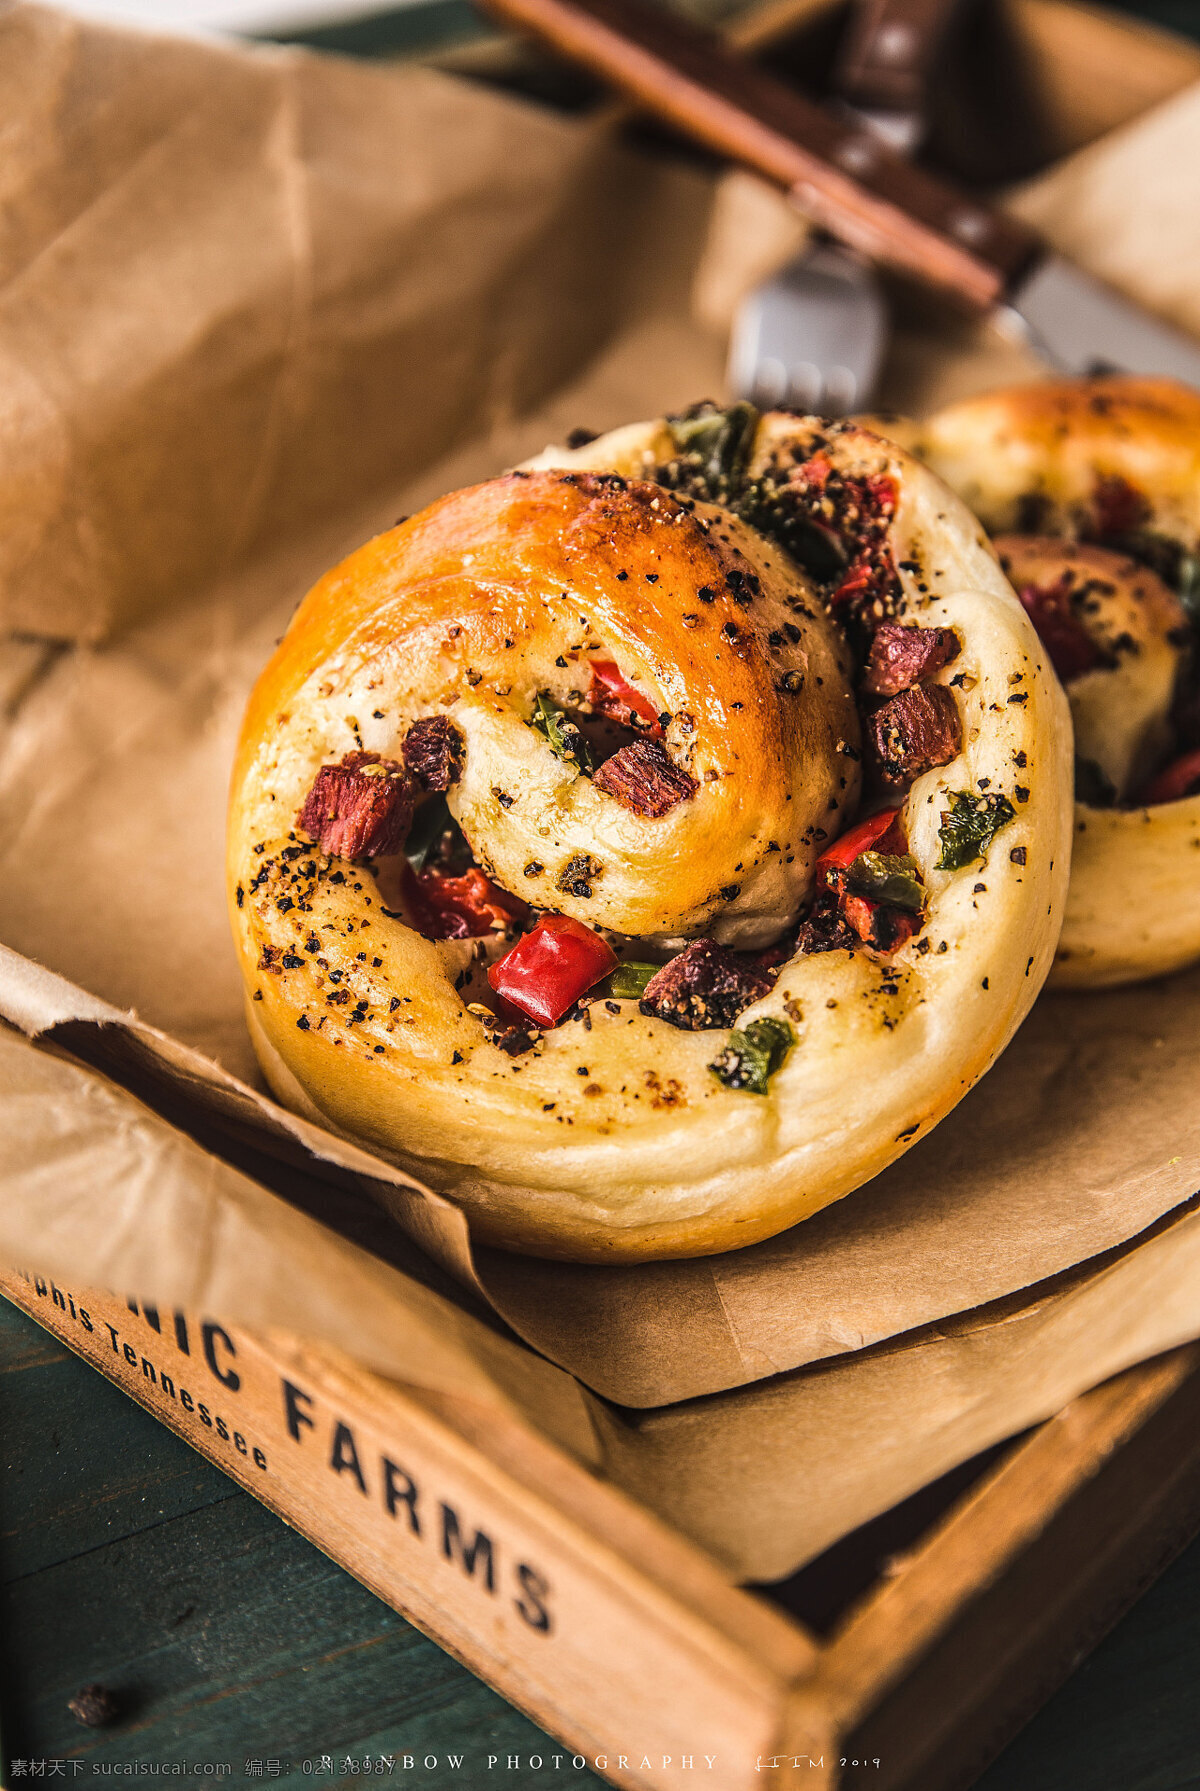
114 1216
146 609
307 272
767 1477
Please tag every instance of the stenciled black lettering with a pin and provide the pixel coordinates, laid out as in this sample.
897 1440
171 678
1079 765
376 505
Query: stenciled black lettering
534 1604
343 1457
130 1354
210 1332
167 1385
467 1554
185 1400
85 1319
59 1298
148 1369
294 1411
399 1489
222 1430
205 1415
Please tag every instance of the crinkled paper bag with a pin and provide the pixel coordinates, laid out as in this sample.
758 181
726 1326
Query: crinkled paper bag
240 290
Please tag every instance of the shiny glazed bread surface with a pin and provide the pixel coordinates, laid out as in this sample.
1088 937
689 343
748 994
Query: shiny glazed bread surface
612 1138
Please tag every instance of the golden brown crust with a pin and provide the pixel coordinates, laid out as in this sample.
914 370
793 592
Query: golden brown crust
1034 458
612 1138
515 587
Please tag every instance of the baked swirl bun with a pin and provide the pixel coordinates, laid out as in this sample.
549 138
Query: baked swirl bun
647 846
1092 488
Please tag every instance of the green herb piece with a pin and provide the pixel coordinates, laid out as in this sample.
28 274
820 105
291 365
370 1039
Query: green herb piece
894 880
719 441
436 834
565 738
751 1057
1093 785
776 510
969 826
1149 547
1188 585
628 981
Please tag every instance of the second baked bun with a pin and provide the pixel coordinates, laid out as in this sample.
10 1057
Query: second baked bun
1092 488
647 847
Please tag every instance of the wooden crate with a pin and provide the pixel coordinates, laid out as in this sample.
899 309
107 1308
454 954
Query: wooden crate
624 1640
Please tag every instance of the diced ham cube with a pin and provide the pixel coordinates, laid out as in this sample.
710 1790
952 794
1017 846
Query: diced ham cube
360 808
915 731
642 777
433 752
706 985
901 656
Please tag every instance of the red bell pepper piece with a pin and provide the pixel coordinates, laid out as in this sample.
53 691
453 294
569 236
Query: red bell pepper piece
881 928
466 907
1071 648
855 583
547 971
612 695
868 836
1177 780
814 473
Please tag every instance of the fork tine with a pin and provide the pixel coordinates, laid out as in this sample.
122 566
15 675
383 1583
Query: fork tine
812 337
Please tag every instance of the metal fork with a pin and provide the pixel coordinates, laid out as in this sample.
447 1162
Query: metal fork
812 337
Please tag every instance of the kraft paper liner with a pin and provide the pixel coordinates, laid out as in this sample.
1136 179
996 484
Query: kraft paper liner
769 1476
1145 247
99 1190
114 759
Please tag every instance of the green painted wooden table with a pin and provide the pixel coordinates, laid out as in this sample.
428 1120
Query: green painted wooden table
126 1559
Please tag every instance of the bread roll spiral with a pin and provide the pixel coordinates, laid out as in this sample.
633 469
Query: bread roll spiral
644 715
1092 488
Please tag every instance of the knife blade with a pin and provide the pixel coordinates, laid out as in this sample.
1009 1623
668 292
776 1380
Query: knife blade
849 183
1080 326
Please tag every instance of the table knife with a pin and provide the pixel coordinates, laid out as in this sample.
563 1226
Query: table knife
849 183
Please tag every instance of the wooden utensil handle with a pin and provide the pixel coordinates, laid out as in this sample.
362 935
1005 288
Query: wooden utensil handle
839 175
888 50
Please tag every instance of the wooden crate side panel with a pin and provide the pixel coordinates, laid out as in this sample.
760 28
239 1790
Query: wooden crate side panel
595 1651
1059 1541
